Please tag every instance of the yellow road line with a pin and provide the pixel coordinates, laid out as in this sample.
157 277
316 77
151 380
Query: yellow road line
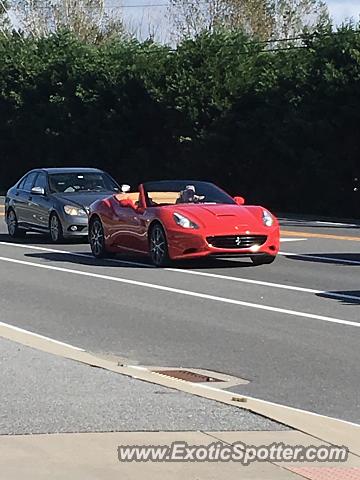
319 235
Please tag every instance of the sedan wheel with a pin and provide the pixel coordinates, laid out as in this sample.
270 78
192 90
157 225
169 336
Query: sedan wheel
158 246
12 225
56 231
97 239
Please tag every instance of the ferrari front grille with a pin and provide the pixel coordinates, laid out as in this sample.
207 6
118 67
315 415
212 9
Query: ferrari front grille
236 241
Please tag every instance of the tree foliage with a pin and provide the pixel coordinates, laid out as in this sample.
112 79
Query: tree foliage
293 17
261 19
280 127
4 17
86 19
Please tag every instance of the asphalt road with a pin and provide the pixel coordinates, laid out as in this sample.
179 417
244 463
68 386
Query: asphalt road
290 328
43 393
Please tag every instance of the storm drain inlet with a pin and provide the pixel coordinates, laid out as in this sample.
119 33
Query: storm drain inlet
188 376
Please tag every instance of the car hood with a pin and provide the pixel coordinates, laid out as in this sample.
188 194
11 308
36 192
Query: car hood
222 215
82 199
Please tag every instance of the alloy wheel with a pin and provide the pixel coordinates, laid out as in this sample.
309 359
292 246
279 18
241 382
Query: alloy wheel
158 246
12 223
97 240
54 228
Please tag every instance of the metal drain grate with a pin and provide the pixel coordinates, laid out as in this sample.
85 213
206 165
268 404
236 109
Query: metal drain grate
188 376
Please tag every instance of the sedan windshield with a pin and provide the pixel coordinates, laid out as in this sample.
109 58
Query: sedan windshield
173 192
72 182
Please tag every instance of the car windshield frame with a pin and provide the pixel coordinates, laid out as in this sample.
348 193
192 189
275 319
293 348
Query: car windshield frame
204 193
70 180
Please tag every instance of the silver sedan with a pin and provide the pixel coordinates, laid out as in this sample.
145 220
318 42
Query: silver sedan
55 201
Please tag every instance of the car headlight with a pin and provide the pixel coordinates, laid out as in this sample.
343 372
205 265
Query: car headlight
74 211
184 221
268 219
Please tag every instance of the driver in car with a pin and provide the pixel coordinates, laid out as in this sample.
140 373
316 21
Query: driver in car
188 195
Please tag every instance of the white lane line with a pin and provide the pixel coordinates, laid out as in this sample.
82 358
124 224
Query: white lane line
337 224
308 256
185 292
196 272
268 284
322 257
37 335
310 223
282 240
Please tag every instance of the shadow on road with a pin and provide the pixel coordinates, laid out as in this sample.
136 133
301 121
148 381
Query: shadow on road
344 301
347 259
39 239
83 258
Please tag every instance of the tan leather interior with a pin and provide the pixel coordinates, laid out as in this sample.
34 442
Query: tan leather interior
164 197
134 196
156 197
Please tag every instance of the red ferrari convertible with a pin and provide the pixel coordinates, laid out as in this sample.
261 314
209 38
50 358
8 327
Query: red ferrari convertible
178 219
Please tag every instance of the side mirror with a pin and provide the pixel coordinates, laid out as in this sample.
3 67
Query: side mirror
38 191
239 200
125 188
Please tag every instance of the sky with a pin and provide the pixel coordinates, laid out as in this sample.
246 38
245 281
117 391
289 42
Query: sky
340 10
152 19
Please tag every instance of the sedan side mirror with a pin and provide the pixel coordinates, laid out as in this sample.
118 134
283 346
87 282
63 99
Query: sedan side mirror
125 188
38 191
239 200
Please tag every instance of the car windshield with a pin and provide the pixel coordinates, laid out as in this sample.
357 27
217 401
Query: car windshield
72 182
184 192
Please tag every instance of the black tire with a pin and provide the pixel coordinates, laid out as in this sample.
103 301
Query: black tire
158 246
264 259
97 239
55 228
13 227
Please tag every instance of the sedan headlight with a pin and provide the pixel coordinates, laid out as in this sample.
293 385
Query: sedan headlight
184 221
268 219
74 211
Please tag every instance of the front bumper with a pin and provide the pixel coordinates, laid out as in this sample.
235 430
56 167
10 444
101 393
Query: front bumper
74 226
193 244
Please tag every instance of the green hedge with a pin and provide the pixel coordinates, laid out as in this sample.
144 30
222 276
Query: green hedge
280 127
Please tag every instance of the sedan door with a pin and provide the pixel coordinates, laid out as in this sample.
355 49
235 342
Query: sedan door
21 199
39 204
